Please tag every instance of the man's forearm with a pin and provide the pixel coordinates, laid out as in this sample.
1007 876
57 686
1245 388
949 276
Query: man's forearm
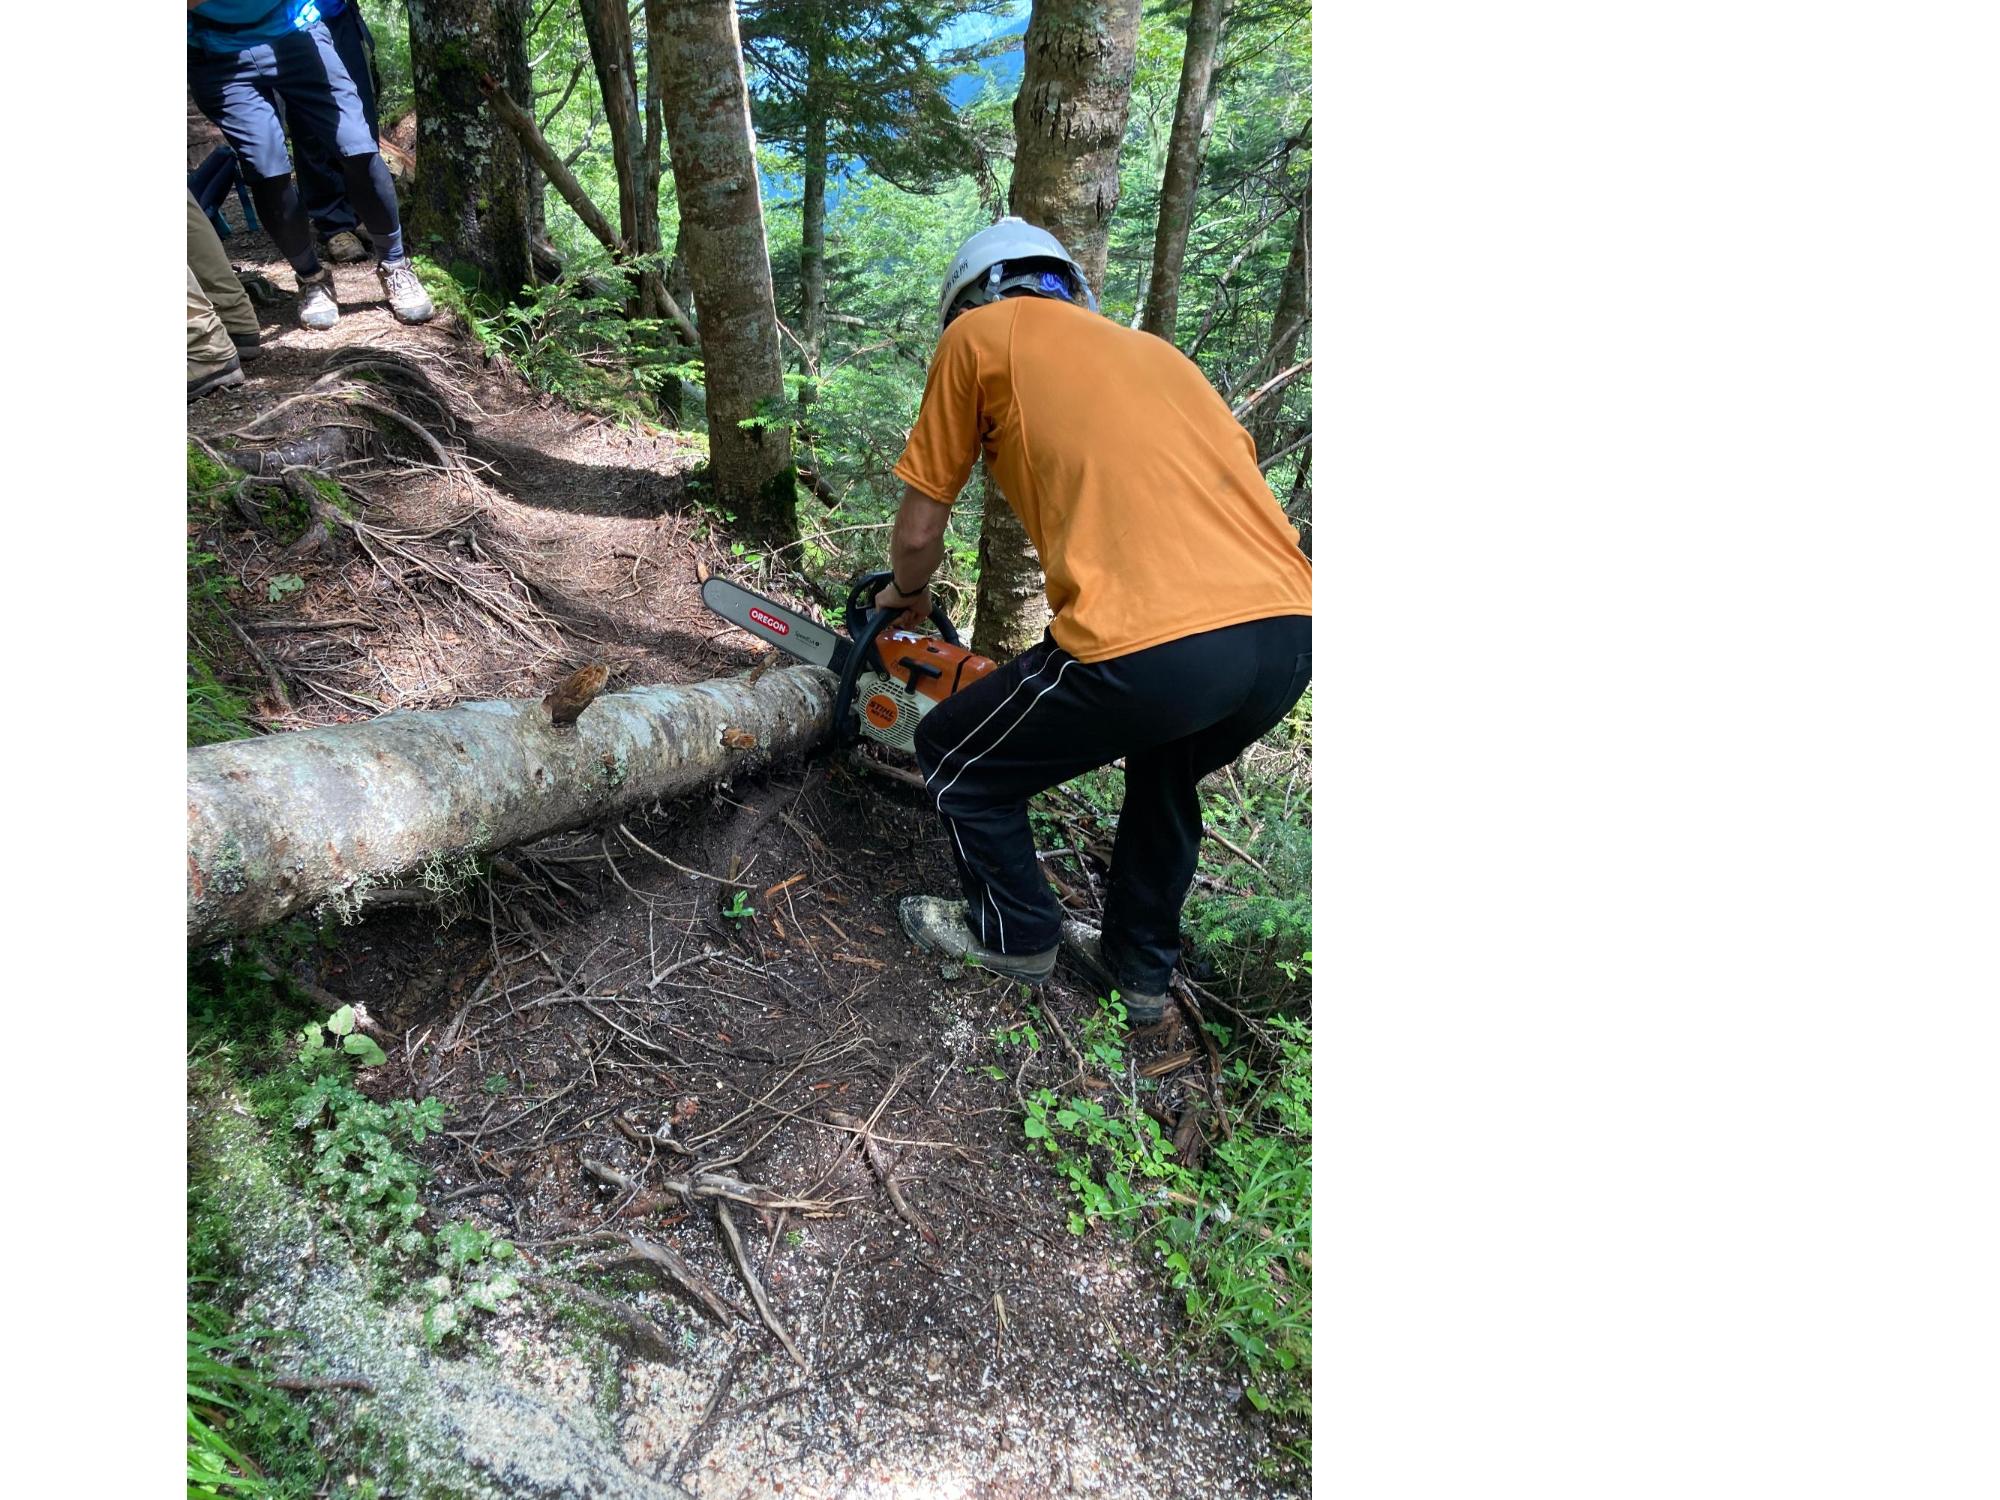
916 545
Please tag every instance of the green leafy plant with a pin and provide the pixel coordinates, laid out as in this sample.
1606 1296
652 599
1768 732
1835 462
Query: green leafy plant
571 338
739 908
1233 1237
352 1042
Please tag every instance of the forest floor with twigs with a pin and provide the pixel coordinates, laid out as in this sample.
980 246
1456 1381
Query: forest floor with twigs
693 1069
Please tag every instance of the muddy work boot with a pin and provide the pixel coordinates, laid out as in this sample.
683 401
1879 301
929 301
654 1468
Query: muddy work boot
1086 946
343 248
317 309
935 923
407 298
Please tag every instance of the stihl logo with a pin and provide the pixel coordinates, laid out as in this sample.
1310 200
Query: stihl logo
770 622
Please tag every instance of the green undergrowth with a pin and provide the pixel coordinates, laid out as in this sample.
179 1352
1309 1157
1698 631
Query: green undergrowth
301 1072
571 339
1230 1227
217 710
233 1411
1233 1235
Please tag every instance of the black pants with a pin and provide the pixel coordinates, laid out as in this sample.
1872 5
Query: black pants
1176 712
322 182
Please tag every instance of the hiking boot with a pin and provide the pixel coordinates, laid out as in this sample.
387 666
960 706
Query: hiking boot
219 378
317 309
935 923
343 247
1086 946
407 298
248 345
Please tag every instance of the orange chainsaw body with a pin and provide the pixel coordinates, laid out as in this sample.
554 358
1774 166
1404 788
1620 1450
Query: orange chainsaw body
922 671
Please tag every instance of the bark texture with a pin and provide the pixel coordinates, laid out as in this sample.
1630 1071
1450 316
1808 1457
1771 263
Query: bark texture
1069 120
290 821
1193 113
707 109
470 193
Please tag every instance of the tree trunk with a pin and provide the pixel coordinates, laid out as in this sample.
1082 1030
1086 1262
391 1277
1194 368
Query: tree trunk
607 27
1287 323
654 296
519 78
1192 112
290 821
609 32
471 191
728 263
1069 119
812 235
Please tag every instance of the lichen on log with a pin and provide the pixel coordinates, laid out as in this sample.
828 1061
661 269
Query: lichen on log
288 822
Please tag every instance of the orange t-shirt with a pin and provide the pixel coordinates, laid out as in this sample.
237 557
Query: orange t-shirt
1138 488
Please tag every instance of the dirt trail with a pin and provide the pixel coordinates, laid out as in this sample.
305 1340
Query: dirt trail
595 980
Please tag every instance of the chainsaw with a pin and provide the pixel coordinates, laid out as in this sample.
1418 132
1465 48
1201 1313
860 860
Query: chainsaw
889 679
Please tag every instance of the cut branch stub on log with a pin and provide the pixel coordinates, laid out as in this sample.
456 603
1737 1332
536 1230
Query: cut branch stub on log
292 821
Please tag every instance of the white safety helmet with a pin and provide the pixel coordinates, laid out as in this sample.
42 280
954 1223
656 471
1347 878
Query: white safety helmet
979 271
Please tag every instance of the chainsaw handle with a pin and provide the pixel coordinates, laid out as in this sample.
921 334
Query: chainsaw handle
864 623
861 610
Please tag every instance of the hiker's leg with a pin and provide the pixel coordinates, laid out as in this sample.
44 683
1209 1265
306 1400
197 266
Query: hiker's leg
325 106
1159 828
322 187
983 753
210 265
238 93
210 182
351 39
209 346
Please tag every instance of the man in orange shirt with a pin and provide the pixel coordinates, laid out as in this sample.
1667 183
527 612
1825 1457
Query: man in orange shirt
1182 607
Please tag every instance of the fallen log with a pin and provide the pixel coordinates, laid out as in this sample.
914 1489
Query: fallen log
287 822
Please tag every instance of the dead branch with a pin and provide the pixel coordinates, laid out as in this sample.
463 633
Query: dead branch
647 1337
257 655
1286 451
742 1259
647 1138
671 1265
523 124
645 848
1271 387
323 1383
889 1183
1247 858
